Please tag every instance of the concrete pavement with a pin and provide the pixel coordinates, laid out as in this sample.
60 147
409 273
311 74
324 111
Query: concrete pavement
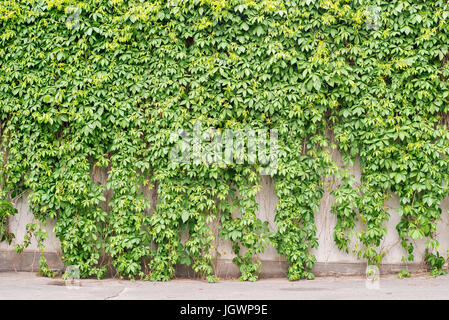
26 285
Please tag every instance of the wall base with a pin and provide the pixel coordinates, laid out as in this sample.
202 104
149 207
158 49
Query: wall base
28 261
224 268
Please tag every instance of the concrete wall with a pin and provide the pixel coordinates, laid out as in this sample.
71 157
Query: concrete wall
29 260
330 261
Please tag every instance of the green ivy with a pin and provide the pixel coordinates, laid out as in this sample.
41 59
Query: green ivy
6 211
102 85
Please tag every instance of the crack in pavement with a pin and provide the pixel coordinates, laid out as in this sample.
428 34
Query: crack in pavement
115 295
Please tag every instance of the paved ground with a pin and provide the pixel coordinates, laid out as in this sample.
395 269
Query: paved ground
25 285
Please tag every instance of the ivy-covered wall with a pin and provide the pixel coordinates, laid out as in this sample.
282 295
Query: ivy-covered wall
104 84
329 260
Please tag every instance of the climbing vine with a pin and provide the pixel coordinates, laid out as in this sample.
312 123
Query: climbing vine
101 86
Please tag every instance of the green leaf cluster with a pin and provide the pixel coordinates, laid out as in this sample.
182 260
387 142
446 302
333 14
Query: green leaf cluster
104 86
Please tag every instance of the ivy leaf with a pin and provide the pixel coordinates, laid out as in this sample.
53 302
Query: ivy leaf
316 82
259 30
185 216
47 98
60 56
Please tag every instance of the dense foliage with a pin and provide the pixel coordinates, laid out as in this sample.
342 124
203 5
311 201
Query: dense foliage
104 84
